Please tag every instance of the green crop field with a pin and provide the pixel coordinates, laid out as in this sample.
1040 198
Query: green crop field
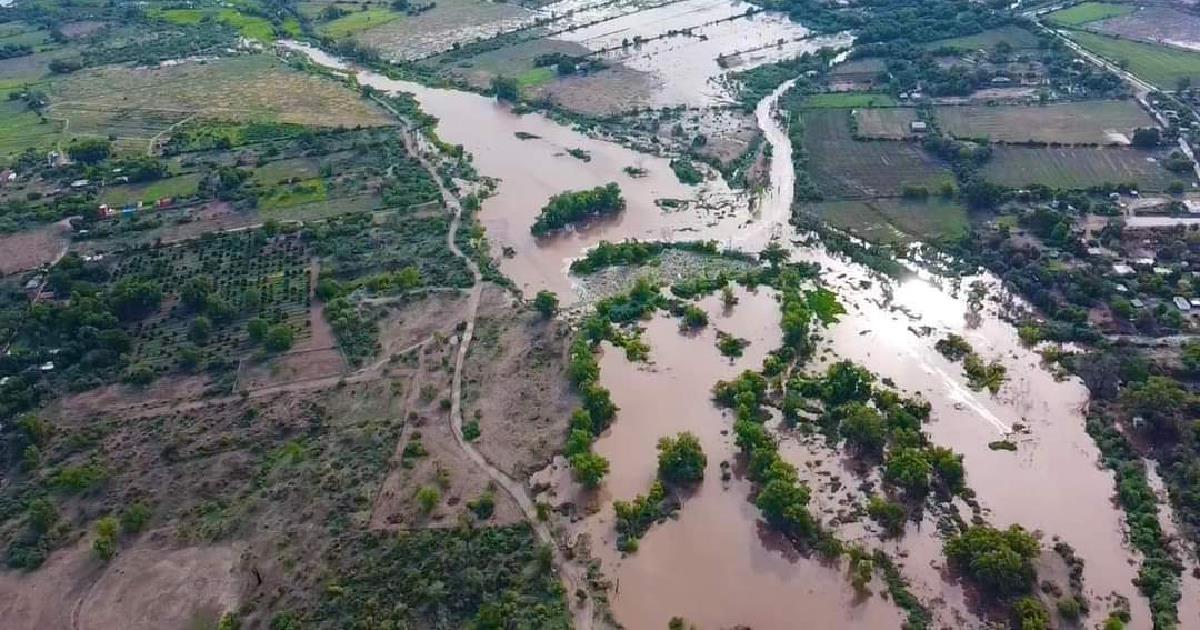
889 123
1089 12
838 100
251 27
358 21
1016 37
895 220
150 192
844 168
1160 65
1077 168
20 128
1100 122
136 104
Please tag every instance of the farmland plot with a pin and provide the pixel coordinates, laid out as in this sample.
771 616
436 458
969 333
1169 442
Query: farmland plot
135 104
1101 122
1161 65
890 123
847 169
1077 168
1155 24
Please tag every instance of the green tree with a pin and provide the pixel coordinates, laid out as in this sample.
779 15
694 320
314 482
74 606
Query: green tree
1160 400
1146 137
589 469
910 469
506 89
863 428
784 503
774 254
256 329
105 543
888 514
546 303
1001 561
428 498
134 299
579 441
1030 614
89 150
200 331
135 518
279 338
681 459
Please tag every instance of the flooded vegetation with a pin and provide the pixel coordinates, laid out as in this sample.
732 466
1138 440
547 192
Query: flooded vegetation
753 576
587 342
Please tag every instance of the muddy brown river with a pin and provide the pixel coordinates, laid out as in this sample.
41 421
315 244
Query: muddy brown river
714 564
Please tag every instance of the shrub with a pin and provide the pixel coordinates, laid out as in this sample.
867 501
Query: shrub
428 498
681 459
589 469
135 518
999 560
546 303
105 543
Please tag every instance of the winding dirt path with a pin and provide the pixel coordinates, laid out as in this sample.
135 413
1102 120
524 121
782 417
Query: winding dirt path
570 573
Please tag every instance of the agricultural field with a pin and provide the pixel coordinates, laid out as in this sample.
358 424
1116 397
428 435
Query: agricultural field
437 29
1087 12
21 128
1163 66
895 220
887 123
138 104
251 274
1085 122
1015 36
845 100
844 168
517 60
1154 24
1078 168
166 188
248 26
357 21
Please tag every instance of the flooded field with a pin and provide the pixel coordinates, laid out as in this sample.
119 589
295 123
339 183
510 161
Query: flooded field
689 41
715 564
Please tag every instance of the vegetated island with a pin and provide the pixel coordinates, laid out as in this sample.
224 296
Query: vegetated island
573 206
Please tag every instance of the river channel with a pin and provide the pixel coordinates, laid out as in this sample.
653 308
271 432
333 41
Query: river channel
714 565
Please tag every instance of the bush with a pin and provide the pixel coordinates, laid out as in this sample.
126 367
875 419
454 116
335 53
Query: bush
681 459
428 498
105 543
1030 614
1001 561
589 469
888 514
257 328
546 303
135 518
280 338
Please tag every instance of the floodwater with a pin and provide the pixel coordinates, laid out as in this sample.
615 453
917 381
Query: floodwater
531 171
686 66
713 565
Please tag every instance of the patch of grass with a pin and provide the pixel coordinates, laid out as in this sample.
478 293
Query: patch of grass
848 100
251 27
306 191
1076 168
1089 12
1069 123
357 21
21 128
896 220
535 77
168 187
1016 37
179 16
1160 65
844 168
